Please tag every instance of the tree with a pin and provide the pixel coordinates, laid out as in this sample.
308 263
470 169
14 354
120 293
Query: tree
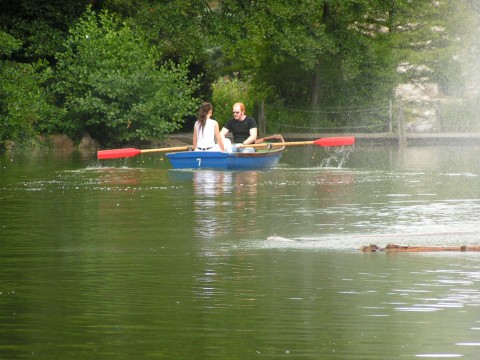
40 25
330 53
112 86
24 104
427 38
322 54
181 31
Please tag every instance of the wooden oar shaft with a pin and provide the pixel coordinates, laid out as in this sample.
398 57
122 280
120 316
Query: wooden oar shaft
279 144
328 141
178 148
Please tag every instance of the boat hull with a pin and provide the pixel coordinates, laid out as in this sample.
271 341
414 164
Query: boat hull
225 161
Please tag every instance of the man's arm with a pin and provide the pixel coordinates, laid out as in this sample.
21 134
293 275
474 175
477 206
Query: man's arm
253 136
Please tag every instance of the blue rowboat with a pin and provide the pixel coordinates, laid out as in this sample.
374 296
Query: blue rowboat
262 159
267 155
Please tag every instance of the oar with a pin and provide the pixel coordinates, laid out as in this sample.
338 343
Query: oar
331 141
129 152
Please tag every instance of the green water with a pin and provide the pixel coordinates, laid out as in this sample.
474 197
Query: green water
130 259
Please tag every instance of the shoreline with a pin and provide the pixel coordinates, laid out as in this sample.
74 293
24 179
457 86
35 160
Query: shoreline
63 142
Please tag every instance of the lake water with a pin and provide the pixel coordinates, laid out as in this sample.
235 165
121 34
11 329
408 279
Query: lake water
129 259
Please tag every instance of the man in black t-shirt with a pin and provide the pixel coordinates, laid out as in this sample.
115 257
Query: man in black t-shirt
242 127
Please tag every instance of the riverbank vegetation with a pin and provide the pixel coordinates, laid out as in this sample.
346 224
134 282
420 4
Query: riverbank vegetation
123 70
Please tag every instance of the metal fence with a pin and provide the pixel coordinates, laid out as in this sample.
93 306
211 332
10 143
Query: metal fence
446 116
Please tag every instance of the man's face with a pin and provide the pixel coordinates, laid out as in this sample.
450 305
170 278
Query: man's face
237 113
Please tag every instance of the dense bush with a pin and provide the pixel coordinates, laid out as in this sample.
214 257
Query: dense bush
112 86
24 104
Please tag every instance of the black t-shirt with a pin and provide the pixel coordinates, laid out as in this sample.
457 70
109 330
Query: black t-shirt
240 129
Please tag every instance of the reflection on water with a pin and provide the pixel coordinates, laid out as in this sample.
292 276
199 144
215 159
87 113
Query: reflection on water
137 260
209 204
224 202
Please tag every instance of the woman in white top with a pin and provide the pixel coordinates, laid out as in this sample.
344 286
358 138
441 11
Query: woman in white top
206 130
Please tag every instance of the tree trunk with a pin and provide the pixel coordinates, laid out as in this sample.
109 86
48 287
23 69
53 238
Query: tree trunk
315 99
391 17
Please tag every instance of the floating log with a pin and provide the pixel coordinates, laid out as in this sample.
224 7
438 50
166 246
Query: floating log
401 248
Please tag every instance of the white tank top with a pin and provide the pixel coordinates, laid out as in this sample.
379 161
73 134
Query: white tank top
206 136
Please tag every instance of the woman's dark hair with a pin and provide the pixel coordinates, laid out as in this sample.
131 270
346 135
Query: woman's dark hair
203 113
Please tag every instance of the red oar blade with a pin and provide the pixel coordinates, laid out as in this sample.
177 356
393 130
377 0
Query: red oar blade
117 153
335 141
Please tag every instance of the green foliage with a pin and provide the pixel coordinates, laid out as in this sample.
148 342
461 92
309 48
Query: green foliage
309 52
330 54
459 115
175 27
25 108
112 86
8 44
227 92
428 37
180 30
282 119
40 25
271 32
